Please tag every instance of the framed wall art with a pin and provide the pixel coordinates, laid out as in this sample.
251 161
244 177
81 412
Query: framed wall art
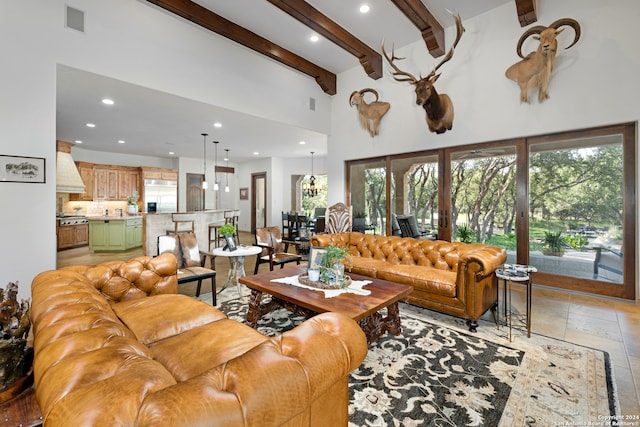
22 169
244 193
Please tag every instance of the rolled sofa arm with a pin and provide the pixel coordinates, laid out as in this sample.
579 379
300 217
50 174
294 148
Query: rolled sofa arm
488 257
271 384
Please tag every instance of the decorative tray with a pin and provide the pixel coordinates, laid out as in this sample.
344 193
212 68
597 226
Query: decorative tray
304 279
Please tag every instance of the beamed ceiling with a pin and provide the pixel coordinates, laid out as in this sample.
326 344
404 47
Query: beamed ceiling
417 13
155 123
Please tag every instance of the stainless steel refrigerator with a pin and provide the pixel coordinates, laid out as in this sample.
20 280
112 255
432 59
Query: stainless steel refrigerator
163 193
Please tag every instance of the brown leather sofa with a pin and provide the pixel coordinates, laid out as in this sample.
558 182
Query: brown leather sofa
116 345
451 277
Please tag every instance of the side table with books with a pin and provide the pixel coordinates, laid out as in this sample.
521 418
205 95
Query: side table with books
515 273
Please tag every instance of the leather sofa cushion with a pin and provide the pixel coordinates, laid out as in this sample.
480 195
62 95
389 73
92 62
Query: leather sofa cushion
214 344
432 280
149 320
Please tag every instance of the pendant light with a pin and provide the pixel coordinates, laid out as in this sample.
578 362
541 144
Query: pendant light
310 189
226 187
204 143
216 187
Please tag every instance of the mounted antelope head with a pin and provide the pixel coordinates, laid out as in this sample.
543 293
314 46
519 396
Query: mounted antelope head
438 108
534 71
371 113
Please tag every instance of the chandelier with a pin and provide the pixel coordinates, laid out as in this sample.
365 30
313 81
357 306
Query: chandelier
309 189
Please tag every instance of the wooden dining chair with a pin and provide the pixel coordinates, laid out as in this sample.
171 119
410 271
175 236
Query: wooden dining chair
274 248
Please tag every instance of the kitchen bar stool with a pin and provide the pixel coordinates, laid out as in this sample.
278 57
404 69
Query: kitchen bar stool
214 237
182 223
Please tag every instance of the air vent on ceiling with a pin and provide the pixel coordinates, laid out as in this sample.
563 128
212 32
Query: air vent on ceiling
312 104
74 19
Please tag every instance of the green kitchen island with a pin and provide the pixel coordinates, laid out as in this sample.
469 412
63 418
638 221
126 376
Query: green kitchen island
115 233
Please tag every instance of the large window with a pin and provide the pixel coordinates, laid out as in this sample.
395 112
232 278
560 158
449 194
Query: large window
564 203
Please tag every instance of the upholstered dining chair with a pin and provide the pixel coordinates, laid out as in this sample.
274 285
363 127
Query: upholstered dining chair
274 249
338 218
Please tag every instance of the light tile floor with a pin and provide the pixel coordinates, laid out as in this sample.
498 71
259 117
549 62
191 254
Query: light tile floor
606 324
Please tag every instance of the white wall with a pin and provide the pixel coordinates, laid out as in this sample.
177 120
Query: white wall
128 40
594 83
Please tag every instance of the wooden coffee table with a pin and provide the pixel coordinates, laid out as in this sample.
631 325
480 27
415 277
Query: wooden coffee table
363 309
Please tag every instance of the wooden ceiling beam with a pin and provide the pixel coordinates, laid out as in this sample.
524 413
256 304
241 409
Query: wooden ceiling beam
526 12
205 18
419 15
308 15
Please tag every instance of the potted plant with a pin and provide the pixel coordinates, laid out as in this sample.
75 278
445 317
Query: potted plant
464 233
553 243
333 263
227 230
132 204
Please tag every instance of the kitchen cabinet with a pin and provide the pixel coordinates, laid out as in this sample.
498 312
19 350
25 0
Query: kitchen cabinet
73 236
109 235
164 174
114 183
128 183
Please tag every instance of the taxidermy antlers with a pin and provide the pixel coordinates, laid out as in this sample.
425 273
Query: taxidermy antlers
534 71
438 108
369 114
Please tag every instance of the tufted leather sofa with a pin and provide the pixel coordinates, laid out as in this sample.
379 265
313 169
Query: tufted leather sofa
451 277
115 345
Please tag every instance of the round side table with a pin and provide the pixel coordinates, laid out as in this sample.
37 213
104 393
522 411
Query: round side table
516 273
236 260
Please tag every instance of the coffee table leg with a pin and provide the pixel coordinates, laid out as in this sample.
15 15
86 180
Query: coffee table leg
375 325
253 312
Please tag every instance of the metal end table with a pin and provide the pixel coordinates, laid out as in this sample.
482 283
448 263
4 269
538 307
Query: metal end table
515 273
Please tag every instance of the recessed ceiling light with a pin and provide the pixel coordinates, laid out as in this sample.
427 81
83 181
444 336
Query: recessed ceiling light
171 153
78 141
302 142
364 8
255 153
108 101
314 38
217 125
121 141
90 125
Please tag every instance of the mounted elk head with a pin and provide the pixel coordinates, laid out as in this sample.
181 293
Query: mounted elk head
371 113
438 108
534 71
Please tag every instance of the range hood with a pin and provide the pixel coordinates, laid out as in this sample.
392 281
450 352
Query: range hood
68 178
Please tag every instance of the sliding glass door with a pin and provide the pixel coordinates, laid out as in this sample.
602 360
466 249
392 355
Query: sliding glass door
565 203
581 211
483 197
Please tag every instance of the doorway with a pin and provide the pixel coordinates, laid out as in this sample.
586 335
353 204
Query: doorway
258 200
195 193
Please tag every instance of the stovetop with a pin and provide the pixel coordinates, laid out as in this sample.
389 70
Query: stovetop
73 220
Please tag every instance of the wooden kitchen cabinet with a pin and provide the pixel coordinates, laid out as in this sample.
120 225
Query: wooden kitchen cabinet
115 183
128 183
73 236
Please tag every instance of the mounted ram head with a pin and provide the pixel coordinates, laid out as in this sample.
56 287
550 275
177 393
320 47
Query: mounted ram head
438 108
534 71
371 113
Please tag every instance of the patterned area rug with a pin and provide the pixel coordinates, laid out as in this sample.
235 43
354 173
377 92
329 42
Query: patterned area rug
436 373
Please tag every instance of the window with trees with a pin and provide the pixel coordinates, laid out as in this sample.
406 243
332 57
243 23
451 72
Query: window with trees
564 203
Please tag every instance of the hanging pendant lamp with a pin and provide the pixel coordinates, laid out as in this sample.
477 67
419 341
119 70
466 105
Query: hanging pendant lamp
226 187
216 187
204 179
